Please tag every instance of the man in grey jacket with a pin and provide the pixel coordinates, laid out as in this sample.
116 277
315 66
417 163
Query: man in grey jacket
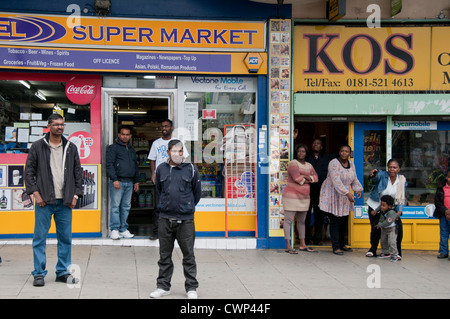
53 174
180 188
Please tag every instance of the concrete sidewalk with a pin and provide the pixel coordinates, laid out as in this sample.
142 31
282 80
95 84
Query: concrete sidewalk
130 272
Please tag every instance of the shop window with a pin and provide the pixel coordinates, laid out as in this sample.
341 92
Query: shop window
24 109
223 134
374 156
423 157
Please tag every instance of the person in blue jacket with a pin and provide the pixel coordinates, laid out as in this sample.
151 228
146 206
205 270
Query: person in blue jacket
123 171
180 188
391 183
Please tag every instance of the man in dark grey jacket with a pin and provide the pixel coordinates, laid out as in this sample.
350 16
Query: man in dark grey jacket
123 171
53 174
180 188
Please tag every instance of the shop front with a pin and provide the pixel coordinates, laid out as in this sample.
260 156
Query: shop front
384 92
27 99
208 77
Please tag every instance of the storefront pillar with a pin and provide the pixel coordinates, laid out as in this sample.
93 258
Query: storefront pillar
389 136
263 164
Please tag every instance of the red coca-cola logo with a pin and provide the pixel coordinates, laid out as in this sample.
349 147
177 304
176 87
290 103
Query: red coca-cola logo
80 91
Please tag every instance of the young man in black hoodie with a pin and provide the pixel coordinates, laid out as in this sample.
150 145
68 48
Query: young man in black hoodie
180 188
123 172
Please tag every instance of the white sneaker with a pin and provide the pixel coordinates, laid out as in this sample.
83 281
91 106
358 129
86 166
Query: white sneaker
126 234
114 234
192 294
159 293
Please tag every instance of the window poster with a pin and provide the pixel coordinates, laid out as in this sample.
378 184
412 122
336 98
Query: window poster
279 119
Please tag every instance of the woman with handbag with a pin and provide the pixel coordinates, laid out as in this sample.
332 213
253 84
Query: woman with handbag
295 197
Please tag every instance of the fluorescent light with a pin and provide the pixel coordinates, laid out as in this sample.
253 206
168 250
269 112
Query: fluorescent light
132 112
152 77
25 84
40 95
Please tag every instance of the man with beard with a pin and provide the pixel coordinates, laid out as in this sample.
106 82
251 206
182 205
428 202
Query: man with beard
158 154
179 186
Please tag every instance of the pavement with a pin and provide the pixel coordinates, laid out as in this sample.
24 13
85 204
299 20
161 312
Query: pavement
128 270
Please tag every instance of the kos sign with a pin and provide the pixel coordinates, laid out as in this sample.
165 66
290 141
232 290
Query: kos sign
317 53
333 58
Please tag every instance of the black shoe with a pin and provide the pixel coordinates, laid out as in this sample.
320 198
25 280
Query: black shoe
153 237
346 248
67 278
442 256
38 281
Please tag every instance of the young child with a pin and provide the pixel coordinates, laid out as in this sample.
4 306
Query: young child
442 203
388 230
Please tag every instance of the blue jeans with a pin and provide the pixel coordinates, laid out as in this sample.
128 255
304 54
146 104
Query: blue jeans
63 222
120 204
444 226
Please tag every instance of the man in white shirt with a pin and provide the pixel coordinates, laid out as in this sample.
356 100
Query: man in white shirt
158 154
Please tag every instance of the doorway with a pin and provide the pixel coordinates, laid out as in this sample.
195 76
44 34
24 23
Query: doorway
142 111
333 134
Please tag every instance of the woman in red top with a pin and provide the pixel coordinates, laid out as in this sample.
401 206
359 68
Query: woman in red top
295 198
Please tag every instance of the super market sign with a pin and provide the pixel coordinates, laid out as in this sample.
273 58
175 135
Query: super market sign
97 32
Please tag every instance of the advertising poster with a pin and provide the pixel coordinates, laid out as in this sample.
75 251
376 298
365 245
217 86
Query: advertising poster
279 119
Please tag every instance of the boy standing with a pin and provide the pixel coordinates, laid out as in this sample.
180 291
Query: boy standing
388 229
157 156
180 188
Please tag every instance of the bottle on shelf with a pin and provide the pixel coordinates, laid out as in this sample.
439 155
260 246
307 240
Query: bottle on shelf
3 201
149 199
141 199
93 188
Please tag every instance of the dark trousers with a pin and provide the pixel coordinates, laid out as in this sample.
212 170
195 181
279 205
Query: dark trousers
184 233
375 234
154 231
338 229
318 223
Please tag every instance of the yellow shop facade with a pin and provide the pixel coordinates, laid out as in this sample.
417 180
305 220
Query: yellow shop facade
385 92
208 77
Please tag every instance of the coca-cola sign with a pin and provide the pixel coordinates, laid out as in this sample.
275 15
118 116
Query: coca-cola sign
80 91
